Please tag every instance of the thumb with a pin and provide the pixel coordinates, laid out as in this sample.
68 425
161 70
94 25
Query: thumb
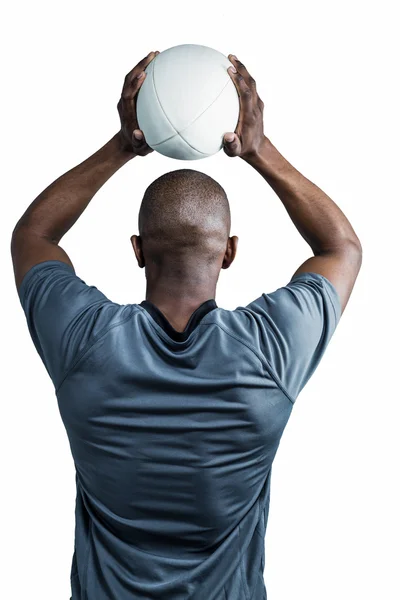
139 144
231 144
137 135
138 140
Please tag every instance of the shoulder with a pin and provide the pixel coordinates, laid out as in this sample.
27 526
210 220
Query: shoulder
238 325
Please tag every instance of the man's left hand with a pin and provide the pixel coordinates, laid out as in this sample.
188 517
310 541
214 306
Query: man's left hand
132 137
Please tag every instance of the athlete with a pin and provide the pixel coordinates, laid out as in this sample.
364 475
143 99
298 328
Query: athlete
174 407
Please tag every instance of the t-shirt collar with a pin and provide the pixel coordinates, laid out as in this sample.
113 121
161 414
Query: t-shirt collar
196 317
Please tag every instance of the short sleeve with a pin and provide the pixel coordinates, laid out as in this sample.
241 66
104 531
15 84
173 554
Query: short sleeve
292 327
63 314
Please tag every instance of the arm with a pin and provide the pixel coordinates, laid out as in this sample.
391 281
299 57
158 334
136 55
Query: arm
336 248
38 232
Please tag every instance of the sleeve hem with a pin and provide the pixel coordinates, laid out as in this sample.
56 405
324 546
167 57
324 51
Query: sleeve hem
34 271
328 285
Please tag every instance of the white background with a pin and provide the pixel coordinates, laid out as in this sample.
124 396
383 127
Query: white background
328 76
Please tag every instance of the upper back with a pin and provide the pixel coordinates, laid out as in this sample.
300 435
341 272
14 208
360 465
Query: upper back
173 441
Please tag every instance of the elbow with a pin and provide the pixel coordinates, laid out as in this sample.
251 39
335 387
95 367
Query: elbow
354 245
14 233
354 251
20 236
348 247
15 239
17 232
340 246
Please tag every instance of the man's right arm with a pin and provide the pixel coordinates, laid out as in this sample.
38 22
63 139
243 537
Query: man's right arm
336 247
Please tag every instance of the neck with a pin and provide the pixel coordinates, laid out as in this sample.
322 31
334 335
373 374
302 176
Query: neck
178 298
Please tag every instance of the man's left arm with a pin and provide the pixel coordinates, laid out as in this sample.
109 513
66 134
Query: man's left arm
38 232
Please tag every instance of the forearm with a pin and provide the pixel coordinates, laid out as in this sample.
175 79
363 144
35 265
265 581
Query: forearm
316 216
59 206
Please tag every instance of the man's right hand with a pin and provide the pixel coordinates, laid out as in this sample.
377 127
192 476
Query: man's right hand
249 136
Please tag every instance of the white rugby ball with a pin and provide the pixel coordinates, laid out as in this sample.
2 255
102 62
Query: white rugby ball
187 102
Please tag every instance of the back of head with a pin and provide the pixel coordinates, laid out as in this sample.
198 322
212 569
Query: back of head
184 219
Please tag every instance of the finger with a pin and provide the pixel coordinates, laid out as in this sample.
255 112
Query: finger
245 93
231 144
141 66
242 70
130 89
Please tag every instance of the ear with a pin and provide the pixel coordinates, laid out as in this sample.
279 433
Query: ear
230 252
136 242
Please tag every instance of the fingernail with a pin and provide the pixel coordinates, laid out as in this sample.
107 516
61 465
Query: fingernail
140 75
232 69
229 137
138 134
233 56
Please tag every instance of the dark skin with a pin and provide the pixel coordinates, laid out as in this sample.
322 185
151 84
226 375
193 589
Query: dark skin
336 248
38 232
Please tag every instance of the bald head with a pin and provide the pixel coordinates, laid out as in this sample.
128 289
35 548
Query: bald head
184 218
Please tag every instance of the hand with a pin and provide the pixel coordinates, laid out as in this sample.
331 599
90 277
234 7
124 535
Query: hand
249 134
132 137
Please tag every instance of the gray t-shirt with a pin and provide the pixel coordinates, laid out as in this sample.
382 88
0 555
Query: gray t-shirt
173 439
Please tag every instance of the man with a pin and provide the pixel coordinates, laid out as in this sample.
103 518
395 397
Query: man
174 407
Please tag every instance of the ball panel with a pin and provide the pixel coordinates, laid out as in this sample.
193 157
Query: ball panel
150 115
207 132
188 78
176 147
